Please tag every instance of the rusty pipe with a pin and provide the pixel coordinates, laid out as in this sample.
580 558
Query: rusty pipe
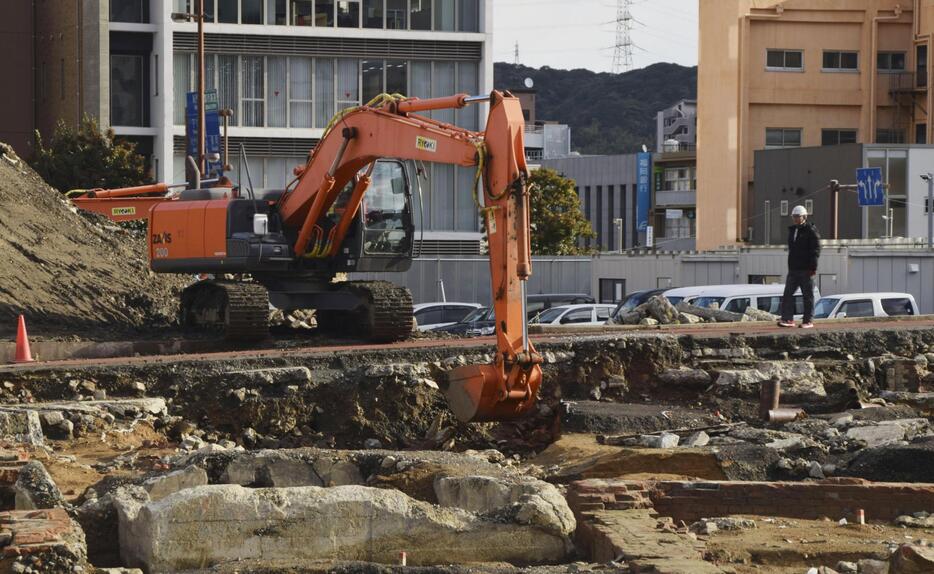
769 397
785 415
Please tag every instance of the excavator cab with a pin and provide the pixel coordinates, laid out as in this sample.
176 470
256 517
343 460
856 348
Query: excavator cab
381 238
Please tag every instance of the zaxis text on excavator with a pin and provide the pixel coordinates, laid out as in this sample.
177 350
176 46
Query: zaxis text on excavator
350 209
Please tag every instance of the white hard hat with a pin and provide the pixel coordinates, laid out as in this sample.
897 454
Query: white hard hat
799 210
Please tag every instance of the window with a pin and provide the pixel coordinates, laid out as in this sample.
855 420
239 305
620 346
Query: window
396 76
809 206
397 15
445 15
227 11
784 208
884 136
784 60
228 91
578 316
373 13
324 91
300 94
836 137
430 316
771 305
251 12
348 14
469 16
612 290
126 90
921 66
738 305
372 79
134 11
251 69
277 93
921 133
861 308
603 314
455 313
893 307
841 62
891 61
277 12
348 82
421 14
324 13
679 179
765 279
301 11
782 137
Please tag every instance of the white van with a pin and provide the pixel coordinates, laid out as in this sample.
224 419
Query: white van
680 294
865 305
736 298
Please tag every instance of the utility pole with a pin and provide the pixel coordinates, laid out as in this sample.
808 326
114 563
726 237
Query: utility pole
622 55
202 136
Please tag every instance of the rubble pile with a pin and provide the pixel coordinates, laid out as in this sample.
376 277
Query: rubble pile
659 311
71 272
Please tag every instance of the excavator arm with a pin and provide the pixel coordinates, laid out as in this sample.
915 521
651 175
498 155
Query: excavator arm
507 388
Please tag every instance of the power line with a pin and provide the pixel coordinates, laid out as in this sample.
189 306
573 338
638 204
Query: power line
622 55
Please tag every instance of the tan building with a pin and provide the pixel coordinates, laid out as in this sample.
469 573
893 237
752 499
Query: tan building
797 73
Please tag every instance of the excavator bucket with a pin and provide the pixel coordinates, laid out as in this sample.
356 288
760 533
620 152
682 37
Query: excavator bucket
476 393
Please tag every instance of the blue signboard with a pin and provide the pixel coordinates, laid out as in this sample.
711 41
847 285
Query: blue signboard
212 144
643 190
870 186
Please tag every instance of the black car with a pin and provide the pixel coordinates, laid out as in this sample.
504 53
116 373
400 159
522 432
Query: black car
633 300
478 322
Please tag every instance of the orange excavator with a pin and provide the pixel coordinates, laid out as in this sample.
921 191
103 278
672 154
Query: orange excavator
349 209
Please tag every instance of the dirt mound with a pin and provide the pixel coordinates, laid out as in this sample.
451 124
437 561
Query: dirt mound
72 273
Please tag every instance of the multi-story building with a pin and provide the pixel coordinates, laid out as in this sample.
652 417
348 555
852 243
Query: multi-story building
676 127
284 67
674 199
543 139
790 73
606 186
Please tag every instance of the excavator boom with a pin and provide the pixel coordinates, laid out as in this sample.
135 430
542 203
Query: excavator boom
391 129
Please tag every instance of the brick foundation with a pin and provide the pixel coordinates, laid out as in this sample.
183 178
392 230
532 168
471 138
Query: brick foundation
690 501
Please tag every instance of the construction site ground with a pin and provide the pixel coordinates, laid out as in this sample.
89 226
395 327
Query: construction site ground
130 446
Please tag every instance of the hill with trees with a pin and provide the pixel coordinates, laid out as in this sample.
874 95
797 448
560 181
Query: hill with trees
608 113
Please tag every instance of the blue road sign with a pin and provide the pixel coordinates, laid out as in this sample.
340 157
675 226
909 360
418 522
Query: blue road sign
870 186
212 143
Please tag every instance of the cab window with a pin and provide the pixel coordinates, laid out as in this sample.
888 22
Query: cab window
430 316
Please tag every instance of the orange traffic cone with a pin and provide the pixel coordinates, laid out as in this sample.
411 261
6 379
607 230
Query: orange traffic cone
23 355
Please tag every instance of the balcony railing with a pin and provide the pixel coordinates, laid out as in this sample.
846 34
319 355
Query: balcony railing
534 129
907 81
680 147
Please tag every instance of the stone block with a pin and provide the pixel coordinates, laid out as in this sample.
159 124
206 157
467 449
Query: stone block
877 435
207 525
912 559
21 427
161 486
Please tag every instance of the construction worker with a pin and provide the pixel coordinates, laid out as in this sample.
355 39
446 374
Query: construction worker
803 253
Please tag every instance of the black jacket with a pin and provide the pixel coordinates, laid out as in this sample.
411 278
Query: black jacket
803 247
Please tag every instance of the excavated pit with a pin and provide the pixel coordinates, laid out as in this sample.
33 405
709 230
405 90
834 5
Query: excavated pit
145 451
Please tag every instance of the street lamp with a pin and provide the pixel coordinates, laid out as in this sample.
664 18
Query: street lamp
198 16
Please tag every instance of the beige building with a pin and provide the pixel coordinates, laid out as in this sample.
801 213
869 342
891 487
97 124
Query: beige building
790 73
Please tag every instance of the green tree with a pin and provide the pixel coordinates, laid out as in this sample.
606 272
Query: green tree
557 219
87 158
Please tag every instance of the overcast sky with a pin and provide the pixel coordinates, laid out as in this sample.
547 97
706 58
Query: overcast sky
581 33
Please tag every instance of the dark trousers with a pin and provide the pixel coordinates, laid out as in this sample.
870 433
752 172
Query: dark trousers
794 281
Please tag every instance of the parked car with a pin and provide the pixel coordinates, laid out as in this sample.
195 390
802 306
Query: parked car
590 314
633 300
478 322
535 304
429 316
865 305
736 298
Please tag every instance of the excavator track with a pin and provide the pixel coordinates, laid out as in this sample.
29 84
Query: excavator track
385 314
238 310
